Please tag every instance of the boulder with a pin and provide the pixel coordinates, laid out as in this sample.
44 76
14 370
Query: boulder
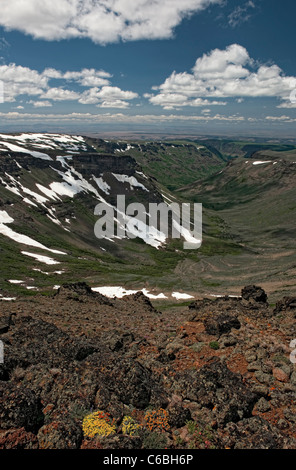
254 294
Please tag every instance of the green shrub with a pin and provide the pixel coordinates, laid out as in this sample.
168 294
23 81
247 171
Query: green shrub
214 345
154 440
201 437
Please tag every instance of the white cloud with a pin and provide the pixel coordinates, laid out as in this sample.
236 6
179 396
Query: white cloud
282 118
91 86
174 100
114 118
81 119
107 97
228 63
89 77
18 80
222 74
52 73
113 104
287 105
109 92
41 104
4 44
60 94
103 21
90 96
241 14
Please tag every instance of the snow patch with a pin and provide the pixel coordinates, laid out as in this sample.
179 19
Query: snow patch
7 299
5 218
179 296
48 192
17 148
25 240
119 292
102 184
185 233
41 258
134 183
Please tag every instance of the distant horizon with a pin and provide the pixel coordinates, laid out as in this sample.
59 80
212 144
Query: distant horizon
161 135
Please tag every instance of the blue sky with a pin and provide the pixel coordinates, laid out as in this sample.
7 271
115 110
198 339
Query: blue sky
193 66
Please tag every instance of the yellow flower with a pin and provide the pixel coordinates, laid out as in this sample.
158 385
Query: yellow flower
129 426
98 424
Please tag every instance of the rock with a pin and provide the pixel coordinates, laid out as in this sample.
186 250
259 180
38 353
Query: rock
293 378
290 415
280 375
5 322
261 353
263 405
254 366
116 340
285 304
260 389
254 293
287 368
80 292
282 424
221 324
215 386
73 355
253 433
60 435
18 439
141 299
115 408
91 444
263 378
175 346
178 415
165 357
267 368
184 434
228 341
40 342
20 408
250 357
102 398
133 384
121 442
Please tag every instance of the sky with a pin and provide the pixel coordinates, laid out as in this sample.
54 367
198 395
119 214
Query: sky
202 67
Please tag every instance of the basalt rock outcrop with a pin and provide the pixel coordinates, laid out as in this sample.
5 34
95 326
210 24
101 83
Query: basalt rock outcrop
212 375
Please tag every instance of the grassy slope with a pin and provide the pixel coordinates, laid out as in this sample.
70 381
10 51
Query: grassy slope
173 164
255 206
239 215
